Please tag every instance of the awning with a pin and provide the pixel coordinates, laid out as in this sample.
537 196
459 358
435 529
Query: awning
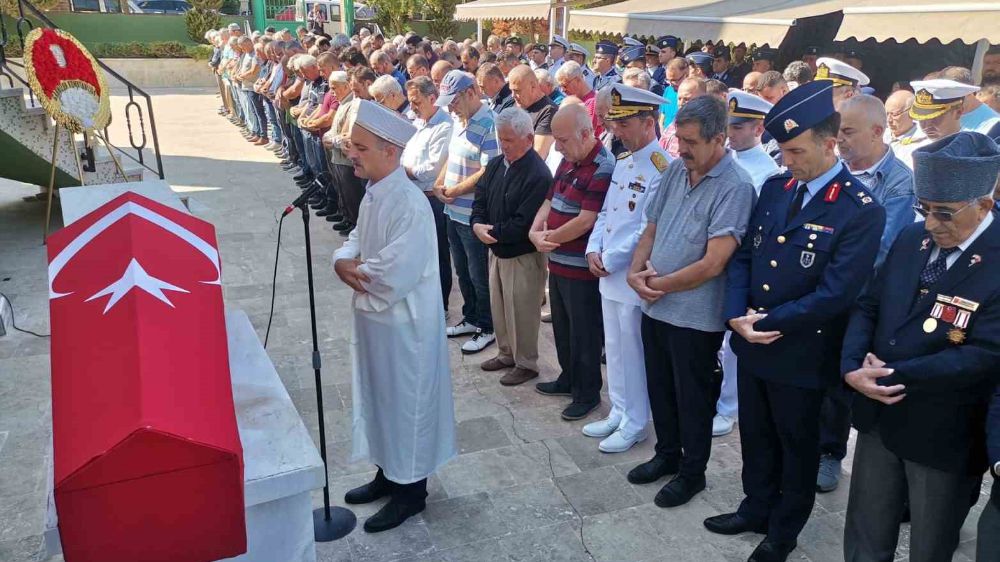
922 20
498 10
748 21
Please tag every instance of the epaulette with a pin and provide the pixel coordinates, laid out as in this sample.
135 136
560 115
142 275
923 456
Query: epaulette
659 160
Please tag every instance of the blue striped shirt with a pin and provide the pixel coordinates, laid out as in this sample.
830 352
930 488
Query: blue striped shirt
469 151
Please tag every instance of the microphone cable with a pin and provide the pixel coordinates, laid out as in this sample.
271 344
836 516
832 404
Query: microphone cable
274 279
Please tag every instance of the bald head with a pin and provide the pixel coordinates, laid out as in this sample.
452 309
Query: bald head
573 132
866 108
438 70
897 108
689 89
750 82
524 85
862 125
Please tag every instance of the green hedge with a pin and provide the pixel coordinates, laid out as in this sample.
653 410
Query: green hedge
136 50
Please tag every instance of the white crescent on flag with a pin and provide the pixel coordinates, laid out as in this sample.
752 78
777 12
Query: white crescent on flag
134 275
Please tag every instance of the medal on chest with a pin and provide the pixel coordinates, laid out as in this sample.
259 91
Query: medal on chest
955 311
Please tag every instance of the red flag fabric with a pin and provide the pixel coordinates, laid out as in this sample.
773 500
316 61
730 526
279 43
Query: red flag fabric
148 461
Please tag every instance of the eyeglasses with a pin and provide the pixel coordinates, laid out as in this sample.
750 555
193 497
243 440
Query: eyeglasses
943 216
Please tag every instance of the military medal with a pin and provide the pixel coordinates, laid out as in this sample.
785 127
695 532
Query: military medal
956 336
631 205
807 259
757 238
930 325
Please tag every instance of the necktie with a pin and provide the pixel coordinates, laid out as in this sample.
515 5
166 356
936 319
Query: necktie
800 194
935 270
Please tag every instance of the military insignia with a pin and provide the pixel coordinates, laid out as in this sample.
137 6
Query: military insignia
790 124
965 304
962 319
790 184
822 72
757 239
807 259
832 193
732 105
659 160
625 155
923 97
926 243
866 200
975 260
956 336
631 205
818 228
929 325
636 186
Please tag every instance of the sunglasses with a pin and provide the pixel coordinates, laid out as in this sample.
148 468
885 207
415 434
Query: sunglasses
943 216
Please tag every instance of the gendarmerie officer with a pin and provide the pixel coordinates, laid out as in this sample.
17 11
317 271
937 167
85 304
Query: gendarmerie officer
604 65
922 350
813 238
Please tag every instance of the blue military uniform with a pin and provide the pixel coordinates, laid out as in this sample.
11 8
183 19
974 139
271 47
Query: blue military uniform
804 273
611 76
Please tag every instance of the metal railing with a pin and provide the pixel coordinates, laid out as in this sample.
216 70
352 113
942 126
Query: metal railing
138 111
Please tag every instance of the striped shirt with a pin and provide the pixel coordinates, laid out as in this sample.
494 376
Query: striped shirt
577 187
469 151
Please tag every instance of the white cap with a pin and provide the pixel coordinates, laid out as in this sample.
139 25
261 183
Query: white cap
934 97
381 122
559 40
840 73
578 48
744 107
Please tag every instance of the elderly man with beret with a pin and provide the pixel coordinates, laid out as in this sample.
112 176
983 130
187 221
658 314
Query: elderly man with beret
922 350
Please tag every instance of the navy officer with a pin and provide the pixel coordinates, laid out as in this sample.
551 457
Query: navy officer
813 238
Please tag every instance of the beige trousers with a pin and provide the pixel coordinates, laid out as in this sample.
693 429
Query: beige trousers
516 289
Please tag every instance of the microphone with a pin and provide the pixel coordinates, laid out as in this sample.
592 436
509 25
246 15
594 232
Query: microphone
305 195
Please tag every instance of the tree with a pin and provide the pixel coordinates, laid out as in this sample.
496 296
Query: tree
203 16
393 15
440 16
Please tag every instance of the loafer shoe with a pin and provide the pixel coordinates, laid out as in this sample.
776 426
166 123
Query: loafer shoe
621 441
579 410
602 428
342 226
495 364
734 524
518 375
552 388
652 470
679 491
392 515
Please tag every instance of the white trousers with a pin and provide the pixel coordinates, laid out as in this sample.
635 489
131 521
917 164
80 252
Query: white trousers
626 365
728 404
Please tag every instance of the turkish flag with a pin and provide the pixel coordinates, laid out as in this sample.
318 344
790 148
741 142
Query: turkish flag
148 461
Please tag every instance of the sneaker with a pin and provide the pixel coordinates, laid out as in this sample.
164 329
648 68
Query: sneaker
722 425
460 329
478 342
602 428
621 441
829 474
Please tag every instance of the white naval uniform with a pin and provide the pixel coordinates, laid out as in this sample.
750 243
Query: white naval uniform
760 166
616 233
904 145
404 419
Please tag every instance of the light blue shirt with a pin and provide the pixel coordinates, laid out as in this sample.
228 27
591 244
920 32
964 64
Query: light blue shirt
980 120
814 185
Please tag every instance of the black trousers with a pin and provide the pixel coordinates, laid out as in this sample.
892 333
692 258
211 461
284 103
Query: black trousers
578 330
351 190
415 492
835 421
444 250
779 434
680 363
880 481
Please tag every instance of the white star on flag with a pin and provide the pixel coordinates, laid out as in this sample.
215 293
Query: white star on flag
136 276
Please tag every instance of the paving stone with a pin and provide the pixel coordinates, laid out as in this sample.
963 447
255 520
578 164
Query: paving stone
464 520
409 540
482 551
478 434
556 543
623 535
532 505
584 452
598 491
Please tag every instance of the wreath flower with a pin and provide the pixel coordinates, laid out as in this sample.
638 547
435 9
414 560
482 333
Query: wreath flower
67 80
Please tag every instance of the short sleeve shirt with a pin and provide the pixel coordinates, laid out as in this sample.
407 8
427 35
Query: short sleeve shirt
470 149
577 187
541 115
686 218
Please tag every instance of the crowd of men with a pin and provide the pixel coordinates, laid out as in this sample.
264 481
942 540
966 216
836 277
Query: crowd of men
739 244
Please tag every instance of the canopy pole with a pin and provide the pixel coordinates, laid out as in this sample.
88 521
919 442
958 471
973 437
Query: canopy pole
479 31
553 14
977 60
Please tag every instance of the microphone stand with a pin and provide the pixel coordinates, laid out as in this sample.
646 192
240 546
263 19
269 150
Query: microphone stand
329 523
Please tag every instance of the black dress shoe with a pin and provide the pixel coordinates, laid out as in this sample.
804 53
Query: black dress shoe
302 177
579 410
679 491
342 226
372 491
392 515
772 551
336 217
652 470
552 388
734 524
326 211
346 233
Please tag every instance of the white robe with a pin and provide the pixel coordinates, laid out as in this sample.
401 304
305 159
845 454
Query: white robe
404 418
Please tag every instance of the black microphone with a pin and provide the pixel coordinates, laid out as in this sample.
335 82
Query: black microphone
305 195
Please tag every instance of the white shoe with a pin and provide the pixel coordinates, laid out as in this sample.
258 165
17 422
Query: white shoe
602 428
722 425
619 441
460 329
478 342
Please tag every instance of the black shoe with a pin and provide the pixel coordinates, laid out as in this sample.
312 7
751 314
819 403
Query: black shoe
302 177
652 470
392 515
303 184
336 217
342 226
346 233
317 202
552 388
772 551
327 212
372 491
734 524
578 410
679 491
